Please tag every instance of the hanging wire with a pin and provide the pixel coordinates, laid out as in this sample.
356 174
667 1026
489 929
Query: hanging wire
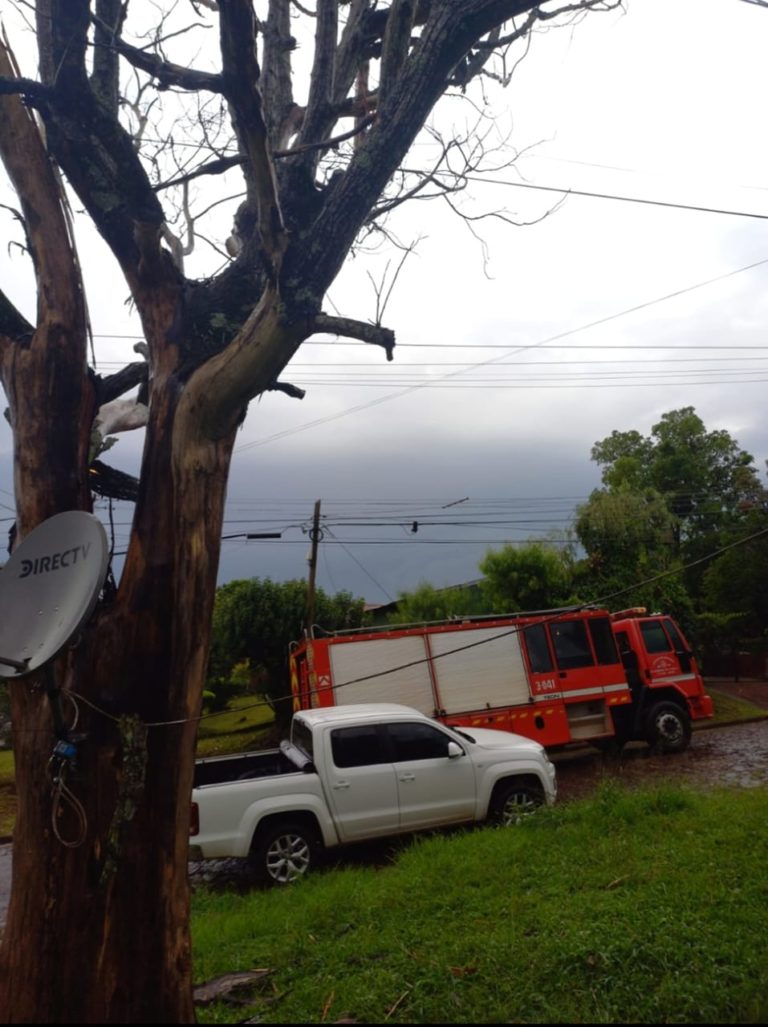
64 797
600 601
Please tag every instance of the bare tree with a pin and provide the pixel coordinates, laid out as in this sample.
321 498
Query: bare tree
97 926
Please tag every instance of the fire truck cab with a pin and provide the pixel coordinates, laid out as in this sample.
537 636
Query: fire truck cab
662 673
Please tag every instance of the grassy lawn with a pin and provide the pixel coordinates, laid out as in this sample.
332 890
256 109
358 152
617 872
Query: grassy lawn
7 794
730 710
613 909
240 727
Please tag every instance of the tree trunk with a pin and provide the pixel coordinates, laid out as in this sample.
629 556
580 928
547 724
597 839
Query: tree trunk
105 923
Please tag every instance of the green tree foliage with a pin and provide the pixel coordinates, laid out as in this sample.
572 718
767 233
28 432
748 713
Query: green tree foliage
705 478
624 529
427 603
736 583
535 576
718 634
257 619
670 499
629 538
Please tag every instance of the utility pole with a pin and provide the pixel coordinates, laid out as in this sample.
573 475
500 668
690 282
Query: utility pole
315 535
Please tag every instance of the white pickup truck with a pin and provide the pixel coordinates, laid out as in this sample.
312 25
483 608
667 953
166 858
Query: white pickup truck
352 773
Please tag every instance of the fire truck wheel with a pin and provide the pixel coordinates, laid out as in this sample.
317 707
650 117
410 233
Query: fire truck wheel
513 801
668 727
284 852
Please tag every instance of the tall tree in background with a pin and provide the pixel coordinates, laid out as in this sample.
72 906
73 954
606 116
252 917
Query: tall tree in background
97 931
704 477
629 538
669 499
428 603
257 619
534 576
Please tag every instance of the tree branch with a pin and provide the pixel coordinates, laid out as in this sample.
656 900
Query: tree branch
538 15
362 330
276 82
290 390
117 384
93 149
328 144
41 197
167 74
241 75
105 77
350 50
451 29
12 323
223 164
397 40
32 91
213 167
320 100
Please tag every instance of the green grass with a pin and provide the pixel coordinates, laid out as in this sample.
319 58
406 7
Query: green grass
729 710
7 794
238 728
629 907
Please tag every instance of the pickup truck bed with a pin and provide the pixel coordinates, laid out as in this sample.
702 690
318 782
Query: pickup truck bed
250 765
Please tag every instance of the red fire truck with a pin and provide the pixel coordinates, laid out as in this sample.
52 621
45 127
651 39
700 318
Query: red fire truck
558 676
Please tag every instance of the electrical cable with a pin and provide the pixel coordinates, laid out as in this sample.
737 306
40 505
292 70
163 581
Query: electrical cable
64 797
628 199
600 601
512 351
595 603
362 568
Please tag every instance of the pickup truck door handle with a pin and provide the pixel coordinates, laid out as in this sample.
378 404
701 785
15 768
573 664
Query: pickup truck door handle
341 784
407 777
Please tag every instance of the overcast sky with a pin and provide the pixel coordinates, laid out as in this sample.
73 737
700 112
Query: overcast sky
518 347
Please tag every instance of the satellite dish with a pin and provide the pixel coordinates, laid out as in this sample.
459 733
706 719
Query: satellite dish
48 589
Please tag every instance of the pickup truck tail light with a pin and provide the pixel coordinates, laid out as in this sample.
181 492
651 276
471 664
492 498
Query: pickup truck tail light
194 820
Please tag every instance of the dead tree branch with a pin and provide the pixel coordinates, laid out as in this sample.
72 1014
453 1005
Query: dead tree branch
320 102
395 46
290 390
241 75
116 385
282 114
13 324
352 329
167 74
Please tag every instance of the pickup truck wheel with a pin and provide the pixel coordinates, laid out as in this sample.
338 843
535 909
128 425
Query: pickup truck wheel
668 727
285 852
513 802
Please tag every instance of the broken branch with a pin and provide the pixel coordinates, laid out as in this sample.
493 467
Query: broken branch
362 330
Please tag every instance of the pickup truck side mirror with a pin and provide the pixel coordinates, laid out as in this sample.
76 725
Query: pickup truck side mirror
454 750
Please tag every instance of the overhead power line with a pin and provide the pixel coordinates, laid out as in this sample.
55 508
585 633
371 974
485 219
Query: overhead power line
632 199
338 343
512 351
